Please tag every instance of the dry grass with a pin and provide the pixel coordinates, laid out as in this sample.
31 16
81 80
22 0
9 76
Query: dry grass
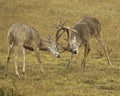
98 79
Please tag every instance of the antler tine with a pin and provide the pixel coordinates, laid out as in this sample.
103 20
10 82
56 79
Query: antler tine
62 27
68 28
61 34
59 22
64 22
59 25
57 35
55 26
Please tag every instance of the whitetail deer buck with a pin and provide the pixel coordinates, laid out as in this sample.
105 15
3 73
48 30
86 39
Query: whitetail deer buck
81 33
21 36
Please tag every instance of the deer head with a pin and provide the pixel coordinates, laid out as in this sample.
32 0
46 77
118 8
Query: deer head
52 47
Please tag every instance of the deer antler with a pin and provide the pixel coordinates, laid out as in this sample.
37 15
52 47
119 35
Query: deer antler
64 22
66 29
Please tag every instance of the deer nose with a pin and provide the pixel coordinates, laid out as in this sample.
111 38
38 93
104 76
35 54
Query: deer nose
75 51
57 55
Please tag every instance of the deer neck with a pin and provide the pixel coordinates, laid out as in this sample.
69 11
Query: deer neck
43 45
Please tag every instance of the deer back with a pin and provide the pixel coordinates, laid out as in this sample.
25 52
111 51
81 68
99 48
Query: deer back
23 34
87 27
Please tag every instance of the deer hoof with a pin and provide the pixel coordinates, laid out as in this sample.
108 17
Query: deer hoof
17 75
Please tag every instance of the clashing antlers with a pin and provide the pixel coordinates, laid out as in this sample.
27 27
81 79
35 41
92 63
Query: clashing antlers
61 27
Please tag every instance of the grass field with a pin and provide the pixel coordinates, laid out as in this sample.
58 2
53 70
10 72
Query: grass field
98 79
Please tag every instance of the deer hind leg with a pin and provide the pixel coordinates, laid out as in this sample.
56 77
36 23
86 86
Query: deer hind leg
37 53
15 61
86 51
9 53
24 57
105 49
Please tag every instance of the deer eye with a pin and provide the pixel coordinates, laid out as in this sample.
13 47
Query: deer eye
72 45
55 46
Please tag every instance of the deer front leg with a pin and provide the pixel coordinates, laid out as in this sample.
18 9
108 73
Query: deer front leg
68 64
24 57
38 57
86 51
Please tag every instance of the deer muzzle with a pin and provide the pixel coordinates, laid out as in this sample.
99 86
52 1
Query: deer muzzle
75 51
57 55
